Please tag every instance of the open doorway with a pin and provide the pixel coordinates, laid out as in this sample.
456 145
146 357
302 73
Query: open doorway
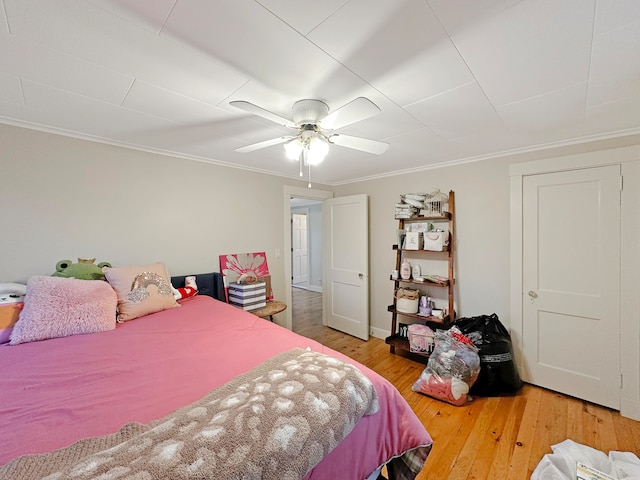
306 266
300 194
306 244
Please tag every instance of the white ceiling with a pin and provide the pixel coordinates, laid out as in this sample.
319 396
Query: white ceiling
456 80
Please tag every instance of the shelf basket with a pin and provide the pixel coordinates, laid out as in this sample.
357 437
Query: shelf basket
407 300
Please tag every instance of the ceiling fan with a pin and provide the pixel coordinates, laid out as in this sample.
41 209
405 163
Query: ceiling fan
315 128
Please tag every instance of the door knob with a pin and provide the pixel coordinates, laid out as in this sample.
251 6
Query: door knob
533 294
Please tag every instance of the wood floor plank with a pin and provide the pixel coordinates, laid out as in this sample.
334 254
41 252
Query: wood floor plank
472 449
550 428
490 442
507 443
519 465
490 438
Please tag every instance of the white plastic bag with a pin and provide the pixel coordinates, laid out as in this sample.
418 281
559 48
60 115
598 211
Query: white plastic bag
561 464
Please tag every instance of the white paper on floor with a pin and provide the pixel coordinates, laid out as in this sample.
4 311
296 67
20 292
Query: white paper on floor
561 464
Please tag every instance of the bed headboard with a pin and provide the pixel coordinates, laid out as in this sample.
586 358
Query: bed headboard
210 284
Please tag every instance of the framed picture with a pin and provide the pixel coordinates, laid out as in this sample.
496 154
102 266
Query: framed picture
232 265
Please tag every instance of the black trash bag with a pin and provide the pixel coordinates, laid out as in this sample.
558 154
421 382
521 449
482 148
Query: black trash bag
498 372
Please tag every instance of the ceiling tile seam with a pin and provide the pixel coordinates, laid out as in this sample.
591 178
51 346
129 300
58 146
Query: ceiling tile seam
593 35
104 102
224 101
364 81
327 18
24 98
477 82
6 17
171 92
540 95
74 58
611 102
305 37
439 94
619 27
389 138
165 37
126 94
446 139
466 64
304 34
280 19
133 22
166 18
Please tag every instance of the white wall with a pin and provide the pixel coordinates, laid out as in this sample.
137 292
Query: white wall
482 235
482 268
64 198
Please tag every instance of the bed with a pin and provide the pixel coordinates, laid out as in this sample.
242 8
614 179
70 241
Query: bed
116 385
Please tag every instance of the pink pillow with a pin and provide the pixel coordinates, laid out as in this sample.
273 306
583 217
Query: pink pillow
141 289
59 307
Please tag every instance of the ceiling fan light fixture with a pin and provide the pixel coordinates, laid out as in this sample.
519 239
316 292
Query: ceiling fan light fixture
316 150
293 149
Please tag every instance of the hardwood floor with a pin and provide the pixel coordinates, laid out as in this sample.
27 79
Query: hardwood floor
491 438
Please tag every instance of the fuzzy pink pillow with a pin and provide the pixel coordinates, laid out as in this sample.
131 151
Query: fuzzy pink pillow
59 307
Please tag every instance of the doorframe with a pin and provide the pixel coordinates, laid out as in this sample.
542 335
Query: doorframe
629 159
289 193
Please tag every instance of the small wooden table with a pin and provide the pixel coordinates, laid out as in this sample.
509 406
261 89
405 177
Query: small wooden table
273 307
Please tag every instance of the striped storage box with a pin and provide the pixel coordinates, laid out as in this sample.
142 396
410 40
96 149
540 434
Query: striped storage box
248 296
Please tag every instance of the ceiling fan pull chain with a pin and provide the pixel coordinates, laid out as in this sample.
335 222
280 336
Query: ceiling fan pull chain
301 174
309 185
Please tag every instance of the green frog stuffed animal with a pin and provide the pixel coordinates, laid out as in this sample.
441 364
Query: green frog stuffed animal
84 269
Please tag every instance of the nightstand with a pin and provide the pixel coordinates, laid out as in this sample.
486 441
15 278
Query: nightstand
273 307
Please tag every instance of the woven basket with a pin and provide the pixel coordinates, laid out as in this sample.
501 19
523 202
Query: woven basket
407 300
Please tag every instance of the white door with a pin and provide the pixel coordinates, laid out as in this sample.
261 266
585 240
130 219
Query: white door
346 256
299 242
571 283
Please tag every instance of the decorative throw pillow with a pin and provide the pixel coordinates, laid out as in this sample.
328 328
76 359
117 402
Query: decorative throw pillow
141 289
9 313
59 307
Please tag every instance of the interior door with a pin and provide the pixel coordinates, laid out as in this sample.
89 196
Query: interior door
571 282
299 248
346 243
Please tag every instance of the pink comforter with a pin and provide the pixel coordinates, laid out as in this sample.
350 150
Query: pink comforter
57 391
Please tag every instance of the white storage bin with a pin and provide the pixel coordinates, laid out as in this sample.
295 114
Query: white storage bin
435 240
413 241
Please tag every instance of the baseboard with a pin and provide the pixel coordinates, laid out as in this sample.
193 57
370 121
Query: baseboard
378 332
630 409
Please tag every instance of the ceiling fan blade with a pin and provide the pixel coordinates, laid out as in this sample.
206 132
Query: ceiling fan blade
261 112
357 143
259 145
352 112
